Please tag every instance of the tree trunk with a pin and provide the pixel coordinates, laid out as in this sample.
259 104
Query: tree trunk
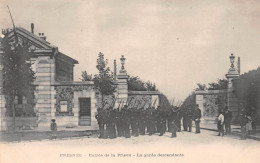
102 101
13 109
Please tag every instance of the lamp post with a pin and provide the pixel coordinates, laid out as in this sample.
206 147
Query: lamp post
122 59
232 59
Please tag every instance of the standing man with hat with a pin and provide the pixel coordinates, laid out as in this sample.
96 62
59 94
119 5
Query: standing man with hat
227 120
189 119
197 116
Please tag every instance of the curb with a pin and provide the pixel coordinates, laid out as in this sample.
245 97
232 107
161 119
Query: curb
236 134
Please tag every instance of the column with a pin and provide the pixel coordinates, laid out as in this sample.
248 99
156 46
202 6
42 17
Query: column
232 101
44 92
122 87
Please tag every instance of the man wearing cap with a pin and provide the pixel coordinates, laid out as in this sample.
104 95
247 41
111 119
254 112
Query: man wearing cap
189 119
173 121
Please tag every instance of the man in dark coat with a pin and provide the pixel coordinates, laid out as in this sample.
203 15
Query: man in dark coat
243 121
152 115
197 116
119 122
227 120
184 119
179 117
162 121
189 119
141 121
126 121
134 121
111 123
173 118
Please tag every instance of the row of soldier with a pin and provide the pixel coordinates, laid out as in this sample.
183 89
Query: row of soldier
133 121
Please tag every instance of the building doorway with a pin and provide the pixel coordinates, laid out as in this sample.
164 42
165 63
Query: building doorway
84 111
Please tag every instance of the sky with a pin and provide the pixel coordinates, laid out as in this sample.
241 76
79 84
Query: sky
175 44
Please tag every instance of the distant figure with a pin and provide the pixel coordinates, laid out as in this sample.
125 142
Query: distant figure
249 125
197 116
221 123
227 120
254 117
53 129
189 119
111 123
179 116
161 120
173 118
184 120
243 121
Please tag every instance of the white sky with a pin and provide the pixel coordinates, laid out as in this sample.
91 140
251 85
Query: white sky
175 44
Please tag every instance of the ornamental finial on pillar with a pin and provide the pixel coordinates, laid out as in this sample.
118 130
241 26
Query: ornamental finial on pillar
232 70
122 59
232 59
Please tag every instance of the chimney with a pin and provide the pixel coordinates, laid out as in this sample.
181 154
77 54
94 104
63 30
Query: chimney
32 28
42 36
115 70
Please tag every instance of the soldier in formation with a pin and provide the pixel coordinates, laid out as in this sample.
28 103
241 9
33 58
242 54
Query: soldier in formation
127 121
173 121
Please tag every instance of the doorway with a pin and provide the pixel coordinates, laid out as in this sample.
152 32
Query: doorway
84 111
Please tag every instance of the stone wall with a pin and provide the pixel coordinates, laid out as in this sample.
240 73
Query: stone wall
21 123
72 93
210 102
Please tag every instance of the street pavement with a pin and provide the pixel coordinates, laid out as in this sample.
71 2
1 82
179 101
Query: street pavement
187 147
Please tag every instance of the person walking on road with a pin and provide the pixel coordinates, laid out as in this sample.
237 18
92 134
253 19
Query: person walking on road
221 123
227 120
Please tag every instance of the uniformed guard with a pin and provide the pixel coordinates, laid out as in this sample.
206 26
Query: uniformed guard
151 120
141 121
173 118
105 119
179 117
136 113
189 119
119 122
111 123
126 115
184 119
147 114
162 121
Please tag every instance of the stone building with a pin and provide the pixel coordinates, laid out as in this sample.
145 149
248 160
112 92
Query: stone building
57 96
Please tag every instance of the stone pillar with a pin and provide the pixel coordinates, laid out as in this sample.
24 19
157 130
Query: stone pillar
232 101
44 92
122 87
53 91
94 123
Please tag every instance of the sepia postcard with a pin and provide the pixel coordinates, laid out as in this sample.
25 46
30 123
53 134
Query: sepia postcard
129 81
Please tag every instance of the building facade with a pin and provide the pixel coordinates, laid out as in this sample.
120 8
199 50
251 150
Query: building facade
57 96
